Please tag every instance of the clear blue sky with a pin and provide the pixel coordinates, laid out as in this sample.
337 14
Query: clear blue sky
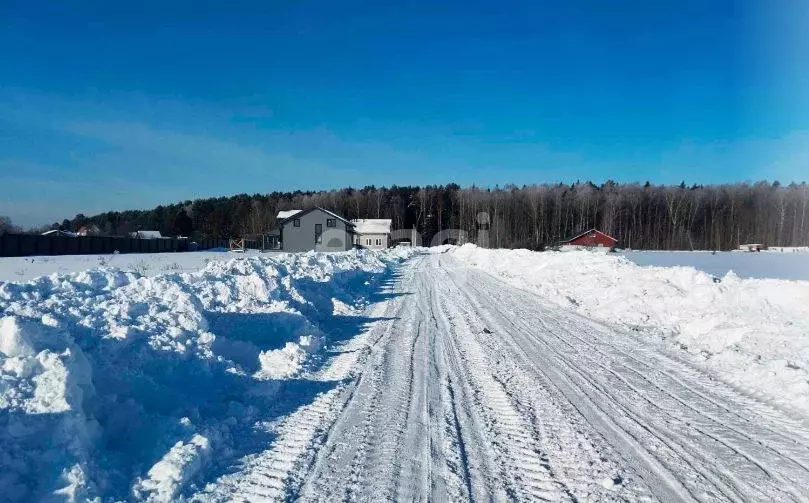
110 105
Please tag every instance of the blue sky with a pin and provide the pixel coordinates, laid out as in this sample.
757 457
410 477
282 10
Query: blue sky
106 105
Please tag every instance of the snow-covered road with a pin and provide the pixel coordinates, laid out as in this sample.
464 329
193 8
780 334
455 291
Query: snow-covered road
465 388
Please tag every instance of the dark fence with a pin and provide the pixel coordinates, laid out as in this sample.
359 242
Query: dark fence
23 245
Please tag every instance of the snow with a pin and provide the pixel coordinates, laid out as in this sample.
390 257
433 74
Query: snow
122 385
372 225
753 333
169 474
208 374
781 263
519 376
284 214
145 264
511 397
285 362
786 249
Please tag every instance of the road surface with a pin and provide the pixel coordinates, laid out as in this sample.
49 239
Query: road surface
467 389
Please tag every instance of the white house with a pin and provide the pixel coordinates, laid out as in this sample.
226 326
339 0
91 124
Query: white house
372 233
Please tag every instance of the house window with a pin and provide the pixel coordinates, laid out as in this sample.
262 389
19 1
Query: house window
331 222
368 242
296 222
318 233
378 242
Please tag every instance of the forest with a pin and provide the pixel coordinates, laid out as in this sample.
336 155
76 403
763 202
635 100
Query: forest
640 216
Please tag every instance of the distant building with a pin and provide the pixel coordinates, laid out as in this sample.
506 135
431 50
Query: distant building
91 230
592 238
372 233
313 229
752 247
146 235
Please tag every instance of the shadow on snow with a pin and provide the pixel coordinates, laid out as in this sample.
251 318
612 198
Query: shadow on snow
242 336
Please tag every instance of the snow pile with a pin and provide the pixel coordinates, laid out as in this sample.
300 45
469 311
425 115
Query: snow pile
284 362
44 433
752 332
124 386
145 264
169 474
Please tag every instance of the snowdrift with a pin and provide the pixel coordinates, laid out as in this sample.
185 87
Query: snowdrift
121 386
753 333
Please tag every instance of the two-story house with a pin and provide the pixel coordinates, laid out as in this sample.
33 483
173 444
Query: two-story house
314 229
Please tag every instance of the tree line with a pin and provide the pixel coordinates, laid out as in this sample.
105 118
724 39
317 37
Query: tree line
640 216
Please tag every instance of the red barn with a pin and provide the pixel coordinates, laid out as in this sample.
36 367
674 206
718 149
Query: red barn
592 238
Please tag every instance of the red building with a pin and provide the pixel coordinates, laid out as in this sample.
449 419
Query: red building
591 239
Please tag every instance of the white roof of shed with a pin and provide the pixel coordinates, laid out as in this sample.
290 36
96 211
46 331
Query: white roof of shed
372 225
286 214
147 234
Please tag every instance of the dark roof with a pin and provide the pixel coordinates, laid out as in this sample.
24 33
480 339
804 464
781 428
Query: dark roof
304 212
577 236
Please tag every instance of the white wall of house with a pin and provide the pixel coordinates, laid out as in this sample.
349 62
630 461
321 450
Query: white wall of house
372 233
372 241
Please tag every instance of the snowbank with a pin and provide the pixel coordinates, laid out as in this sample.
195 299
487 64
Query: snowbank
44 434
124 386
145 264
752 332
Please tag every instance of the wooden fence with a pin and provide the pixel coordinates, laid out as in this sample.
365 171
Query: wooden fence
24 245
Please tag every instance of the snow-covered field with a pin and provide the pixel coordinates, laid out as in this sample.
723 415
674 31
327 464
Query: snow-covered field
791 263
449 374
145 264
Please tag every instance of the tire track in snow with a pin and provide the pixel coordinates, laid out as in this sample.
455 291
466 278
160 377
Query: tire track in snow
575 458
625 432
273 474
692 438
721 439
712 408
403 447
350 452
526 475
739 477
578 456
453 455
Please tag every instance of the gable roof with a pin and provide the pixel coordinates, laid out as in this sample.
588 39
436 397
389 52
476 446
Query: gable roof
373 225
306 212
577 236
284 214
